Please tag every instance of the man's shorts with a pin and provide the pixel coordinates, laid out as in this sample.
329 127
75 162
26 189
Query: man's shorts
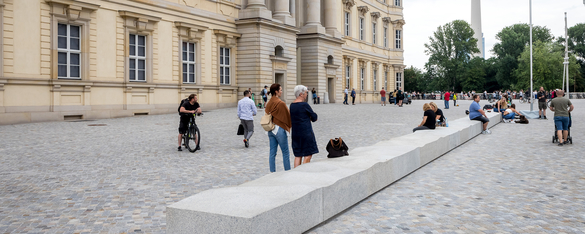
562 123
184 124
542 105
483 119
383 99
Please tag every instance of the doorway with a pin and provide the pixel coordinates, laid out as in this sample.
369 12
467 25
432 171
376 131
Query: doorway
279 79
331 89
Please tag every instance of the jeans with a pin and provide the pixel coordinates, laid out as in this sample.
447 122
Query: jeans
421 128
446 104
562 123
275 140
345 99
510 116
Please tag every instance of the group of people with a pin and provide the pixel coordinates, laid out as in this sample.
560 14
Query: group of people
432 117
297 120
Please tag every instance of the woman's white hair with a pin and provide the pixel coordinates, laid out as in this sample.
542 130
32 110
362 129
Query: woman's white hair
300 89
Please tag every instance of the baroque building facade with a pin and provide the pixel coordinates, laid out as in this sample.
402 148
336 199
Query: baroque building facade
89 59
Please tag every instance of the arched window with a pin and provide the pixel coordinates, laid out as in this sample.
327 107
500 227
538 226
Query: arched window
329 59
278 51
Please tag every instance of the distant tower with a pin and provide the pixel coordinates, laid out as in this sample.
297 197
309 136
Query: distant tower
476 26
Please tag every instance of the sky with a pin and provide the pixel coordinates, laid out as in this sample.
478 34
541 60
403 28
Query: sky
422 18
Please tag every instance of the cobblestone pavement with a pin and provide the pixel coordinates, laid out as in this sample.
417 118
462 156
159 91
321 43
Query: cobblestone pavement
66 177
70 177
512 181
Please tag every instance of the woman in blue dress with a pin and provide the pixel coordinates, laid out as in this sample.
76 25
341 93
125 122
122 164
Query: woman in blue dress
303 138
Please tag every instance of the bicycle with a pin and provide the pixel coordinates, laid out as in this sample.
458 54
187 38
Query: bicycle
192 137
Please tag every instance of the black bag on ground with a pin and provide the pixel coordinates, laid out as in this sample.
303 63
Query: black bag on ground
241 130
336 148
522 120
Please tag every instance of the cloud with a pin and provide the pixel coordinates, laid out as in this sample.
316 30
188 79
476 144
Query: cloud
424 16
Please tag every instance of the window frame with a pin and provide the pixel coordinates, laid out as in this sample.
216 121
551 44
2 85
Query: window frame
347 76
84 40
374 25
138 58
386 80
398 39
398 82
221 58
195 62
68 51
386 36
375 79
362 78
347 23
362 22
397 3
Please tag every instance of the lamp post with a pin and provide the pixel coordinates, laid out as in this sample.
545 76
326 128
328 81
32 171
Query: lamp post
531 84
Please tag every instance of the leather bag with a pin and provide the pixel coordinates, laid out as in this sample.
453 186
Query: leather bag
337 148
240 130
266 122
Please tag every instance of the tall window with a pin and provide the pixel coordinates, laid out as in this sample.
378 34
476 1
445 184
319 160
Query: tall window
189 62
362 76
347 75
385 36
69 49
347 18
224 66
386 80
397 2
375 79
398 80
374 33
362 21
137 58
398 37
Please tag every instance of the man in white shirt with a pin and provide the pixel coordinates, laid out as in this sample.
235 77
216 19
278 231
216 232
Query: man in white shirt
246 112
346 92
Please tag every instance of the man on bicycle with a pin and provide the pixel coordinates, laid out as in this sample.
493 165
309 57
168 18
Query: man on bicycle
186 111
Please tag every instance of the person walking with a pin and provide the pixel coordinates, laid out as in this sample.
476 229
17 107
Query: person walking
265 95
454 99
303 137
446 99
314 96
562 107
400 96
383 97
345 96
394 97
246 112
541 96
282 124
353 96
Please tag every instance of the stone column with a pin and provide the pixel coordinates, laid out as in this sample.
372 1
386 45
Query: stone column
255 9
313 17
282 13
331 11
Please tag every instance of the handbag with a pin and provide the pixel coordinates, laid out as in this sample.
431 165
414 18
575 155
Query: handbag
266 122
240 130
336 148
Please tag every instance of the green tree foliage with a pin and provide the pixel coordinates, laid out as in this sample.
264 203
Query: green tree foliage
449 48
547 67
414 80
474 78
513 40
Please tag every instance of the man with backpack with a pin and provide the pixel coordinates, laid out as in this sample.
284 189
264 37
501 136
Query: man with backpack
187 108
264 94
399 96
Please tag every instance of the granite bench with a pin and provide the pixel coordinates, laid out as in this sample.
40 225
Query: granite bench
297 200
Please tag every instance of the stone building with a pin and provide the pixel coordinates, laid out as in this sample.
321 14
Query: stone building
88 59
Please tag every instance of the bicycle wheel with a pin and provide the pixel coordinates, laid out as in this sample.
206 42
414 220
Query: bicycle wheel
193 139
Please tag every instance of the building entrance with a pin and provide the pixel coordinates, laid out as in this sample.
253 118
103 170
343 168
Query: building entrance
331 89
279 79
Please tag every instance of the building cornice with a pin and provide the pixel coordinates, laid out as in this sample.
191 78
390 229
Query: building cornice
267 22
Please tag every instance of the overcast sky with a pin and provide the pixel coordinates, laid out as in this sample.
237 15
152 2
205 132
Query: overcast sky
424 16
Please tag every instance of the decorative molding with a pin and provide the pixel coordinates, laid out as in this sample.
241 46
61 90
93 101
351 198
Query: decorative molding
190 31
363 10
71 10
375 15
139 22
348 60
398 23
363 63
348 4
386 20
228 38
386 67
375 65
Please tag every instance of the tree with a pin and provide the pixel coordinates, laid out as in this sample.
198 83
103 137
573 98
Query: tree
449 48
413 80
474 78
547 67
513 40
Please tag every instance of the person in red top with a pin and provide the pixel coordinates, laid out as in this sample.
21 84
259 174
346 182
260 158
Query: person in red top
447 96
383 97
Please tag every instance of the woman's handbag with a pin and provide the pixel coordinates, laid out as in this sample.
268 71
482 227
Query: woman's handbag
241 130
336 148
266 122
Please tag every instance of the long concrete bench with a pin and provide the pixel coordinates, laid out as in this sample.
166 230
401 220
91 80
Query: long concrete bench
297 200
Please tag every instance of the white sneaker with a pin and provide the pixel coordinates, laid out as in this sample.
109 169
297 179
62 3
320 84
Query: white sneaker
484 132
488 131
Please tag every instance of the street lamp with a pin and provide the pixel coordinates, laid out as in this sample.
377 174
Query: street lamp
531 84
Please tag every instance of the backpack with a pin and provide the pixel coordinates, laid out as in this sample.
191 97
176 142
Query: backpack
180 105
336 148
522 120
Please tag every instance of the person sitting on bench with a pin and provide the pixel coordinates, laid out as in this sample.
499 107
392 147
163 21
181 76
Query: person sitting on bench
510 114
